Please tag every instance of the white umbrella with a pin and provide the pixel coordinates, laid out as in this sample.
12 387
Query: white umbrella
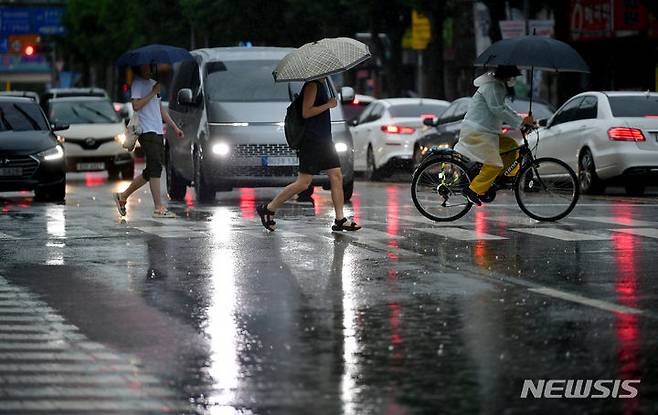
319 59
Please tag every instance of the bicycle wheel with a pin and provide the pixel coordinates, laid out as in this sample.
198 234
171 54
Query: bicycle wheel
436 189
546 189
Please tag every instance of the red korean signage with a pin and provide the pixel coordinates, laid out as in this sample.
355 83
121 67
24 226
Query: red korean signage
630 15
591 19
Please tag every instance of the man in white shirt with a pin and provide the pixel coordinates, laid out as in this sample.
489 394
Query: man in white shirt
145 95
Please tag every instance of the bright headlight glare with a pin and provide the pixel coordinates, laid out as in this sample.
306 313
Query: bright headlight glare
54 153
221 149
120 138
341 147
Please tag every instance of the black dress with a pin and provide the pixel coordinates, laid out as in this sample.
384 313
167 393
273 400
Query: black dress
318 152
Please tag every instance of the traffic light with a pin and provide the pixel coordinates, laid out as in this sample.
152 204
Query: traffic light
29 50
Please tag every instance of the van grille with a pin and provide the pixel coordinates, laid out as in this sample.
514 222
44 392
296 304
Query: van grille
257 150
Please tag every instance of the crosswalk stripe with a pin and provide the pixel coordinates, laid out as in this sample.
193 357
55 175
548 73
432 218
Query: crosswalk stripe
39 356
86 392
460 234
426 221
41 337
615 220
4 236
28 319
603 305
560 234
20 303
34 328
165 232
90 406
646 232
81 379
28 311
126 369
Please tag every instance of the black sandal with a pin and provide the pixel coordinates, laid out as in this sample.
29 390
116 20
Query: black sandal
339 225
266 217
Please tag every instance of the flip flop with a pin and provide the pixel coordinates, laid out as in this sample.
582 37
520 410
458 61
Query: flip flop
121 204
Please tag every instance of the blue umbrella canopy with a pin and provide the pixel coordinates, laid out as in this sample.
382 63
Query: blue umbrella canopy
154 54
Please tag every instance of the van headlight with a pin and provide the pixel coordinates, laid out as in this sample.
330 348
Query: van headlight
221 149
341 147
54 153
120 138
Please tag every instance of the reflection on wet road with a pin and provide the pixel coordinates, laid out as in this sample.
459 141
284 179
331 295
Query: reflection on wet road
209 313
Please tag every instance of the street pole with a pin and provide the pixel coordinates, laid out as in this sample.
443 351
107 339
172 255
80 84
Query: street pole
420 72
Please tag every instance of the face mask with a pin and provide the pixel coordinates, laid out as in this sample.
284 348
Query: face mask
511 82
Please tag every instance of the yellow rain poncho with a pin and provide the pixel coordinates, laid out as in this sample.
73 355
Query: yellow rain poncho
479 136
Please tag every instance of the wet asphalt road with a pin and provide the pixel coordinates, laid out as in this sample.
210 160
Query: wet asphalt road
208 313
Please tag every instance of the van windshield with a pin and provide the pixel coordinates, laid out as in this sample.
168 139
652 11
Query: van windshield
246 81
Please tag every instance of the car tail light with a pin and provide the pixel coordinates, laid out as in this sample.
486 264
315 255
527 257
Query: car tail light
626 134
117 107
505 130
356 101
395 129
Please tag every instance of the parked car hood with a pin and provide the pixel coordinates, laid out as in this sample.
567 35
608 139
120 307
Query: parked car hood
82 131
25 142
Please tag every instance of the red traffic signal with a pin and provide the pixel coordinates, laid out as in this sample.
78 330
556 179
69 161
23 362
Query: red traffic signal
29 50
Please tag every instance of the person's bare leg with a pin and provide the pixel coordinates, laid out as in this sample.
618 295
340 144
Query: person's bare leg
134 186
154 184
299 185
337 196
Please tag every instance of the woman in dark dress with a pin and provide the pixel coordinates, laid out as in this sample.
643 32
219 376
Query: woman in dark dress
316 154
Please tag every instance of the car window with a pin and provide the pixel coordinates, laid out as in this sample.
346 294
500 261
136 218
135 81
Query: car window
568 112
376 113
416 110
19 116
187 76
588 108
539 109
449 112
363 118
352 109
246 81
82 112
634 106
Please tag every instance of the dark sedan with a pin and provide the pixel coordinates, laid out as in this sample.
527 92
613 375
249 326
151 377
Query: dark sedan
444 132
31 158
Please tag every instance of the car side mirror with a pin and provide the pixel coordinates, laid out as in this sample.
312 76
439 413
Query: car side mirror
60 126
543 122
347 94
184 97
429 122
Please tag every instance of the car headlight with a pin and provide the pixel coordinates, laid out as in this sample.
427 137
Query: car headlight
221 149
341 147
120 138
54 153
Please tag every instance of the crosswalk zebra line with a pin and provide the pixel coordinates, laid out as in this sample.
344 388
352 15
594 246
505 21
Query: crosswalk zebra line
614 220
77 379
461 234
561 234
645 232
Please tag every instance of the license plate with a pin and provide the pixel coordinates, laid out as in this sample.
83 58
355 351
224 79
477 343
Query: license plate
279 161
91 166
11 171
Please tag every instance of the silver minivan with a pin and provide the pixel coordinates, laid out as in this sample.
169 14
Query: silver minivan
232 114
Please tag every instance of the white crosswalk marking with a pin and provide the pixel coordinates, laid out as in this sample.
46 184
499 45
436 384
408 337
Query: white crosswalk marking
615 220
425 221
44 361
646 232
461 234
172 232
561 234
4 236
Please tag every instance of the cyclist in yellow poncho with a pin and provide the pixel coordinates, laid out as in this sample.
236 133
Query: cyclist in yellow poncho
480 138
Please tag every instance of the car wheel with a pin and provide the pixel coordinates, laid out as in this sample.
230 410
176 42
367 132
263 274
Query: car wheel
348 190
176 185
372 172
204 191
589 181
635 189
113 173
128 171
54 193
305 195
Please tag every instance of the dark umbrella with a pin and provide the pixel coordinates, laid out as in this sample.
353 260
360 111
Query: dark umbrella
530 52
154 54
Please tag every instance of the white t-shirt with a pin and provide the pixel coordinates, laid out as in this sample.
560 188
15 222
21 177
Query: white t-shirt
150 118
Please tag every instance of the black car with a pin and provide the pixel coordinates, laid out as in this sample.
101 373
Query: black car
31 158
444 131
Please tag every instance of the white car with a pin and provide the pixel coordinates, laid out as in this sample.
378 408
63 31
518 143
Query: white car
607 138
93 141
385 133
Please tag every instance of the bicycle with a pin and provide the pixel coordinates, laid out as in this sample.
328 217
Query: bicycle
546 188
